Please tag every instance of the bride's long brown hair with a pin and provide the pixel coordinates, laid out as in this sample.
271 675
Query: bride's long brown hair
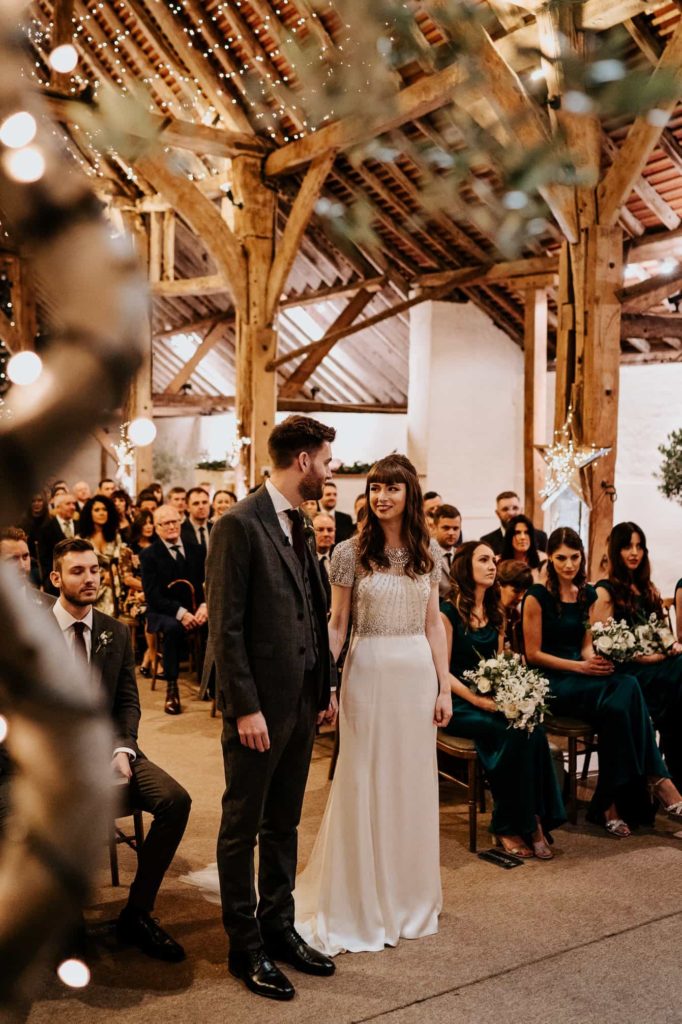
396 469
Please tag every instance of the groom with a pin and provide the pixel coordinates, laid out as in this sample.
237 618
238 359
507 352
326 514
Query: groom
268 653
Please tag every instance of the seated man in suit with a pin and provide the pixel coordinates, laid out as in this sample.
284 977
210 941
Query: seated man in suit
324 528
343 524
447 532
105 644
507 505
59 527
196 527
172 580
14 551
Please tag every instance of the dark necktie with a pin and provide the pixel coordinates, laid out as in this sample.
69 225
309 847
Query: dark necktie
179 557
448 558
79 640
202 538
297 534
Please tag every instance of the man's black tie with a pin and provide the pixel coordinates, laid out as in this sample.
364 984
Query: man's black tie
79 640
179 557
297 534
202 538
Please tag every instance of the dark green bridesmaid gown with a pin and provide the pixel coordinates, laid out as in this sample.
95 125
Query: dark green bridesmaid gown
661 684
613 705
517 764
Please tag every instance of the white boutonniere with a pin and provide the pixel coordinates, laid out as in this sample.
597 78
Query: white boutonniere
103 640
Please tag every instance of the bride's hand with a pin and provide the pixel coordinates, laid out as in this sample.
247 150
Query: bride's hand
443 712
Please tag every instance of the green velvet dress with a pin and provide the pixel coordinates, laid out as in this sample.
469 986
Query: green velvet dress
613 705
517 764
661 684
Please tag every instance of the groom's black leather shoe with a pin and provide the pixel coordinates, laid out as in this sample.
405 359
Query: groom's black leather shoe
288 946
259 974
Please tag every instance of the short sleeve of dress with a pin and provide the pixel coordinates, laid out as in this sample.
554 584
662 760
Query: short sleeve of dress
590 595
437 556
342 570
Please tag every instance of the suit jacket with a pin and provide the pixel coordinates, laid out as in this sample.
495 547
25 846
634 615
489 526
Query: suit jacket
48 538
111 658
159 568
495 540
345 527
112 661
256 608
189 540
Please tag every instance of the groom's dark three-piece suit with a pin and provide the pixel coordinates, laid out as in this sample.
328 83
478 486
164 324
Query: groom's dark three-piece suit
268 651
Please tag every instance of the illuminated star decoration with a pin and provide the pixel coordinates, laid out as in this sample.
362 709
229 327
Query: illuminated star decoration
565 458
125 460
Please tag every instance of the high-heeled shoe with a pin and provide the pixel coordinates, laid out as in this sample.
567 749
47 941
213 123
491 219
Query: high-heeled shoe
541 850
517 847
145 671
617 827
674 811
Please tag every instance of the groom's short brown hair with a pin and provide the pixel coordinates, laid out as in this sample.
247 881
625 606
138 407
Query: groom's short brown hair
294 435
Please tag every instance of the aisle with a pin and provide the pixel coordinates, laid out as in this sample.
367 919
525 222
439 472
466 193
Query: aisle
592 936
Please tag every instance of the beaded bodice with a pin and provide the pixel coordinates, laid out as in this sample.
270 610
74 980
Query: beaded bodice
386 602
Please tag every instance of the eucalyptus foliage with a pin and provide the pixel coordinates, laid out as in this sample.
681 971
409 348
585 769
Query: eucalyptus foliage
670 472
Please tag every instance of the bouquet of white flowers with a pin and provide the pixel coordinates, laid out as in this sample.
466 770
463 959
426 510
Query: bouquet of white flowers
653 636
614 640
520 693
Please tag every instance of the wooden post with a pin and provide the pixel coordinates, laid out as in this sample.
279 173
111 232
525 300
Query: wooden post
535 395
256 340
139 401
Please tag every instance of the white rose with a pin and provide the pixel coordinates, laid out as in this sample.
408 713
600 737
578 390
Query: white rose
484 685
604 644
510 711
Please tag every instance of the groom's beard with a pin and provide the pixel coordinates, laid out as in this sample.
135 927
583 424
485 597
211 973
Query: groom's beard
311 487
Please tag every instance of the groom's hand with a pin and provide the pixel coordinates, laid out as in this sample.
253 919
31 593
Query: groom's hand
329 716
253 731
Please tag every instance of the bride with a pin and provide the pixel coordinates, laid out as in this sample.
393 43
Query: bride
374 873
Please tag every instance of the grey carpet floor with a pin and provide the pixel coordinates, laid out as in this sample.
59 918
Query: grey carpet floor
594 935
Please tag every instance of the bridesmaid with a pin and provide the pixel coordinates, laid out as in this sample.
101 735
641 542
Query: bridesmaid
628 593
520 544
517 764
584 685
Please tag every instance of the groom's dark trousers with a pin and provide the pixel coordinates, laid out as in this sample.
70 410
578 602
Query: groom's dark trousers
267 651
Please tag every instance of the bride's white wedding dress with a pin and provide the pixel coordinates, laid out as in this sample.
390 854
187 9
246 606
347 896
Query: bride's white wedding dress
374 875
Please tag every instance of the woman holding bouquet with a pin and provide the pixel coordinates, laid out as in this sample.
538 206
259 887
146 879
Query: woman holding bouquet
629 594
585 685
517 763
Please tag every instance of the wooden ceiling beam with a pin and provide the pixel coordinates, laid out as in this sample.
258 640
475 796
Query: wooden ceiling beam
293 384
641 140
646 192
651 326
214 335
299 216
334 291
475 275
204 219
645 294
656 246
191 326
211 284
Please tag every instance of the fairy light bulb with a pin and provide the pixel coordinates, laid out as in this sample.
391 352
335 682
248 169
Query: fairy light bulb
4 728
73 973
24 368
24 165
142 431
63 59
18 130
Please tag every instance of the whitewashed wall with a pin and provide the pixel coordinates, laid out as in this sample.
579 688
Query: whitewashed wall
650 408
465 420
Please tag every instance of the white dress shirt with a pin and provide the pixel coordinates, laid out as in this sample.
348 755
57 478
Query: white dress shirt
282 505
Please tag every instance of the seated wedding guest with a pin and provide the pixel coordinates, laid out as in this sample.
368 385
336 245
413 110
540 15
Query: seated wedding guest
343 524
558 641
123 503
106 487
81 492
37 516
432 500
514 579
309 508
60 527
196 528
164 563
105 644
628 593
507 505
157 490
447 532
177 497
359 505
517 763
222 501
98 523
146 499
520 544
142 535
325 538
